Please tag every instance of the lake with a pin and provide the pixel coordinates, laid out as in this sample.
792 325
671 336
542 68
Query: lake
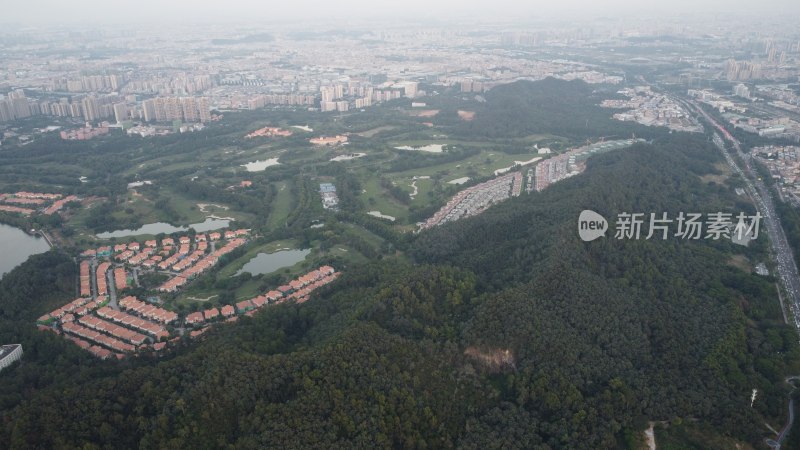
270 262
17 247
163 227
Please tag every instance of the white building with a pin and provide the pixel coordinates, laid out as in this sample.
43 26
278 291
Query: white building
9 354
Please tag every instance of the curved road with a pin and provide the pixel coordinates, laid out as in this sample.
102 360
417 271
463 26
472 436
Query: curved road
776 443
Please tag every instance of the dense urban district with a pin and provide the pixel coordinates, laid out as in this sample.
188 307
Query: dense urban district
368 239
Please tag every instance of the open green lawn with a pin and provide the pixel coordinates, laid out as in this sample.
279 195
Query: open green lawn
143 205
282 205
369 236
482 165
377 199
208 298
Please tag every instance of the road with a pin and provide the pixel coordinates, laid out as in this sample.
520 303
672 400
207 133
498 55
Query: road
778 441
784 258
112 290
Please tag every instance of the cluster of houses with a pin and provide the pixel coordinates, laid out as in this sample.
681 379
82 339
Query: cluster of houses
147 310
96 350
112 329
27 203
329 140
476 199
77 307
106 332
298 289
183 258
269 132
196 264
153 329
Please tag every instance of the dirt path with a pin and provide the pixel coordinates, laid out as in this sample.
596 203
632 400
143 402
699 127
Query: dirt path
650 435
202 299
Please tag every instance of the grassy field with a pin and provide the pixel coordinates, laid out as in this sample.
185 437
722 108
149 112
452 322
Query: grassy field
481 165
375 198
281 206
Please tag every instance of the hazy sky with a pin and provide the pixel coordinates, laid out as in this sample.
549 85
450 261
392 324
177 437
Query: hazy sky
33 12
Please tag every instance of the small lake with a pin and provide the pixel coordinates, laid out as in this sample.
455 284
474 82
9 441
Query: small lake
17 247
163 227
270 262
258 166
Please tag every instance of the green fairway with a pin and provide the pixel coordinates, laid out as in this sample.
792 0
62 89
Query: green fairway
281 206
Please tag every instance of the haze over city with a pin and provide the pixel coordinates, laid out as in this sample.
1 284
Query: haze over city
95 12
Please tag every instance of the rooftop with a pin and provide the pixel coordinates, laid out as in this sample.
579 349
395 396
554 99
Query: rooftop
6 350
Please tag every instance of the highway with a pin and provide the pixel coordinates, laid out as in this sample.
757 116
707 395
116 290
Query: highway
784 258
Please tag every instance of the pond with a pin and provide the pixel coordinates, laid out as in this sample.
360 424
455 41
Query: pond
17 247
163 227
270 262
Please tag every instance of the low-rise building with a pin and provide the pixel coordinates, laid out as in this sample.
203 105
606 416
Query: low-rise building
9 354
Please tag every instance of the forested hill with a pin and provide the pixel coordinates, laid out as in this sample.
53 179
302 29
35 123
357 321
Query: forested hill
509 332
564 108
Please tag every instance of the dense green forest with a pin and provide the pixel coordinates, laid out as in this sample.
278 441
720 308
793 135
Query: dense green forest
504 331
564 108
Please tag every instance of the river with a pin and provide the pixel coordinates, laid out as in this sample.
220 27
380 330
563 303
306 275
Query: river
17 247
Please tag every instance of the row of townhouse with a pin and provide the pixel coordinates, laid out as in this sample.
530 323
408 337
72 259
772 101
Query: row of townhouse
151 328
17 210
85 279
120 278
97 337
39 195
148 311
95 350
476 199
34 199
166 243
79 306
116 331
59 204
304 286
202 265
102 285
